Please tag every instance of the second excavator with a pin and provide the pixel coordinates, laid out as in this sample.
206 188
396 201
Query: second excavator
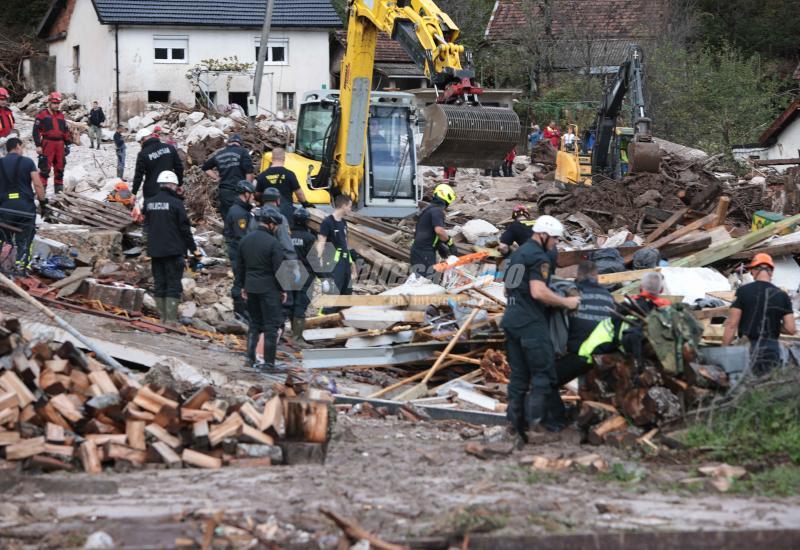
361 142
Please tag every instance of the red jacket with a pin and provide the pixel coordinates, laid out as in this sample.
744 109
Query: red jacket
50 126
511 155
6 121
657 301
553 134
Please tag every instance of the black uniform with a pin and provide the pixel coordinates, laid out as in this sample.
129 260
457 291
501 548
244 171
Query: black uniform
528 343
260 257
763 307
517 232
17 195
337 257
303 240
171 236
154 158
426 241
233 164
237 225
284 181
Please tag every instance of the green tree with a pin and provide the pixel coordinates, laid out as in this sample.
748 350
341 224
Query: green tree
710 99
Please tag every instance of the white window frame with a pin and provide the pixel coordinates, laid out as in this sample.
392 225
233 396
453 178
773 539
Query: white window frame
283 42
294 101
171 42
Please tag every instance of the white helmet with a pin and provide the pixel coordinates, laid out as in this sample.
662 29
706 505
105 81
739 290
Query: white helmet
548 225
168 176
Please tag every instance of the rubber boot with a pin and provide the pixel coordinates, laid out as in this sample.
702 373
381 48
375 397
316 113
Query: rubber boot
252 344
298 325
270 350
240 310
58 189
171 310
162 311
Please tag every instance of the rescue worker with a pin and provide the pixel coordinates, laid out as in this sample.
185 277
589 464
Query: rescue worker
237 225
259 259
52 138
228 167
6 116
761 311
281 178
154 159
165 216
518 231
19 186
338 259
272 197
303 239
525 322
597 304
430 235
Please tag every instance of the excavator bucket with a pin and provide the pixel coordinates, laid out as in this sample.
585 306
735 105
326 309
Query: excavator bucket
467 136
644 156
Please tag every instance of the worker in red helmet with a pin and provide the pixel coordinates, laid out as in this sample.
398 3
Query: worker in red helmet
761 312
518 231
6 116
52 138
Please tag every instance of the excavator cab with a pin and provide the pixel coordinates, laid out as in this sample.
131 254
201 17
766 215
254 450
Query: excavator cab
390 177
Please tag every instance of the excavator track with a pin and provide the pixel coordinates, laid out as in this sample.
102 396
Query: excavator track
467 136
644 156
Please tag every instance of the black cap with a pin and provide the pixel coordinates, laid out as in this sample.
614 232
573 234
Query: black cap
235 138
245 186
271 194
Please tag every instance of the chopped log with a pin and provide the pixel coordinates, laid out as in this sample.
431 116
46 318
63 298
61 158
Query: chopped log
132 412
134 430
54 433
195 415
66 407
253 434
306 420
25 448
200 460
167 455
50 383
57 365
79 381
101 439
634 408
272 417
103 381
250 414
230 427
167 418
62 450
597 433
149 400
9 438
200 435
218 408
50 464
161 434
27 414
10 382
9 417
594 412
196 400
123 452
9 400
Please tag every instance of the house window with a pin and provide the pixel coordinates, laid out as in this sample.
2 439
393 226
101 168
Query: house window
157 96
286 101
277 51
170 49
76 60
239 98
207 100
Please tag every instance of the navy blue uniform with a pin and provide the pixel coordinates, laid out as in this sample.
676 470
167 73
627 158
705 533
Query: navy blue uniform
237 225
426 241
17 201
303 240
233 164
338 258
154 158
171 236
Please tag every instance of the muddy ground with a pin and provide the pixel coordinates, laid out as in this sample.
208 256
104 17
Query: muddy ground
401 480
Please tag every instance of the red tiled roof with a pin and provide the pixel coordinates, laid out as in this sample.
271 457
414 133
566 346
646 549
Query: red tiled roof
600 19
387 50
770 135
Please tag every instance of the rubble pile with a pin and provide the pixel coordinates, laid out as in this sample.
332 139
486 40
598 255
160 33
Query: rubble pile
62 410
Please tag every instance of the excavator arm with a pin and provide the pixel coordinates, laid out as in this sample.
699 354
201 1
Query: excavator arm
428 36
643 154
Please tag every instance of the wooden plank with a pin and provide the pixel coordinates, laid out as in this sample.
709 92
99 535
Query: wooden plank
787 249
396 300
25 448
667 225
12 383
775 162
200 460
624 276
685 230
421 387
77 276
567 258
721 212
321 321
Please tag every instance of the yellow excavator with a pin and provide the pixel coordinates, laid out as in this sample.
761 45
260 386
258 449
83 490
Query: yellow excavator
362 143
608 150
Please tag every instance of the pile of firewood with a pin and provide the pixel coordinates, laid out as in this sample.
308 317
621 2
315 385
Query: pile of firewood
60 409
622 406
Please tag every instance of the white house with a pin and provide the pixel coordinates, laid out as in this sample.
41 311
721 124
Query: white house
125 53
779 142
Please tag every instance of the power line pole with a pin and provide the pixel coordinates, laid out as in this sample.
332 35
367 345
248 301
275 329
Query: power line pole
262 57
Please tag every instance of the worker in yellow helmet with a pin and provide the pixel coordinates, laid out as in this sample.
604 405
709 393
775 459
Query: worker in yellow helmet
430 235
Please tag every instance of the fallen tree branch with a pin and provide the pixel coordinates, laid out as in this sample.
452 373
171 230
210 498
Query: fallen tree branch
355 532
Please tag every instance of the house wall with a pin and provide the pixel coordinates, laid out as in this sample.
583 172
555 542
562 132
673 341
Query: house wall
307 65
787 146
95 81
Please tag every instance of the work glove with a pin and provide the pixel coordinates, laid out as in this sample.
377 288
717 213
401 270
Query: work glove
42 164
42 206
306 204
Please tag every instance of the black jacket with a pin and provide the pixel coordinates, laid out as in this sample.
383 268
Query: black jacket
233 164
154 158
96 117
303 240
237 221
169 232
260 257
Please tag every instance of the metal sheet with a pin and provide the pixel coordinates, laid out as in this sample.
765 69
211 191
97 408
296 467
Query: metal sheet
335 358
436 413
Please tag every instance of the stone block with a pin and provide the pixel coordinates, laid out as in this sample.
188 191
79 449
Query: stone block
122 296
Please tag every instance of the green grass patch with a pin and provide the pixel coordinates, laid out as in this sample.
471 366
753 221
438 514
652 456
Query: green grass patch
762 427
781 481
618 472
